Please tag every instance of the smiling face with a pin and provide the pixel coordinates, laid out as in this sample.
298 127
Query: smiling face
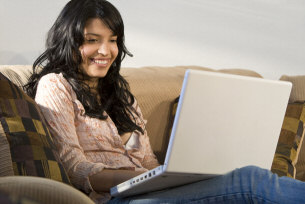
99 49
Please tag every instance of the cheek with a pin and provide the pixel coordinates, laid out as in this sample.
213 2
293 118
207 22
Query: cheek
86 51
115 51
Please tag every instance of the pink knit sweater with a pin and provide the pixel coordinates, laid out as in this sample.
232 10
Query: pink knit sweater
88 145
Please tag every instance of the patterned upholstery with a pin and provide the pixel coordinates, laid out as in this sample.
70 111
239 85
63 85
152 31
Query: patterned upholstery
23 128
290 140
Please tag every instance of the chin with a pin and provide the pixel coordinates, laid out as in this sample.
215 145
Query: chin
99 75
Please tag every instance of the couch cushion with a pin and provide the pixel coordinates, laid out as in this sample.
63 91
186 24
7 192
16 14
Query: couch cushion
298 88
6 167
290 141
13 198
23 128
298 94
18 74
42 190
243 72
300 163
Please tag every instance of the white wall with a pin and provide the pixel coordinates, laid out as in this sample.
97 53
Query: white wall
267 36
23 28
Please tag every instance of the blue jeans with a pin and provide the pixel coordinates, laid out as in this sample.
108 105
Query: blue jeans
245 185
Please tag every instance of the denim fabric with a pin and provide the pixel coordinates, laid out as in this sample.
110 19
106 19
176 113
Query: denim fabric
245 185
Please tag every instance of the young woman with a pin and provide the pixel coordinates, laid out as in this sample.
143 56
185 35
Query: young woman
98 126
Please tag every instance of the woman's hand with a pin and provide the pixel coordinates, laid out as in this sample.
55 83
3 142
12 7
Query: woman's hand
104 180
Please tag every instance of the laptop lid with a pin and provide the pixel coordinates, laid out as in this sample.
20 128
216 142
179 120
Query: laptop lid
224 122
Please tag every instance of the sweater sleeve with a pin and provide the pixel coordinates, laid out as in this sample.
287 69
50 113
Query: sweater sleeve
54 96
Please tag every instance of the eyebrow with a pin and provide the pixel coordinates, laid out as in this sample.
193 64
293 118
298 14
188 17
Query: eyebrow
97 34
91 34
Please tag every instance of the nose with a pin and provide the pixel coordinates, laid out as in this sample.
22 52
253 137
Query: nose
104 49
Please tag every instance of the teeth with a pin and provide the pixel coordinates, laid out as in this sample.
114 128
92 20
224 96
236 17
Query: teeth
101 61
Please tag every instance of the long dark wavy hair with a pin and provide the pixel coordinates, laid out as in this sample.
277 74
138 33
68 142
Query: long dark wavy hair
62 55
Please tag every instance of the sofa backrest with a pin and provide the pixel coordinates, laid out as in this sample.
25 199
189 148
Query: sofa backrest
155 88
18 74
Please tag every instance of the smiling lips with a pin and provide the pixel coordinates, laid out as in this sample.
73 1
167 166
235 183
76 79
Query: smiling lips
101 62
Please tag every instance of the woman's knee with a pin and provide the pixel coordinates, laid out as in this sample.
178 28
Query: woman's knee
253 173
251 169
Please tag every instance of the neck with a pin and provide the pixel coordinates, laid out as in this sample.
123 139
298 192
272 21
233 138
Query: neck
91 82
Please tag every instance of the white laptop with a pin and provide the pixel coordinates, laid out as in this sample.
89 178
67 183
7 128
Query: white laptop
223 122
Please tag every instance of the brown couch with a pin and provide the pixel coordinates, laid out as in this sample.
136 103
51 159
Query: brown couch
155 89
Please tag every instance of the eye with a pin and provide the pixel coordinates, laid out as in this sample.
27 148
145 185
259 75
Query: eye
113 40
92 40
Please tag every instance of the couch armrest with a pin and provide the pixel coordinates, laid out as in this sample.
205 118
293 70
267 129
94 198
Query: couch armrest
43 190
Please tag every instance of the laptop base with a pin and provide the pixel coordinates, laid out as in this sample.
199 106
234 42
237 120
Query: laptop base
154 180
